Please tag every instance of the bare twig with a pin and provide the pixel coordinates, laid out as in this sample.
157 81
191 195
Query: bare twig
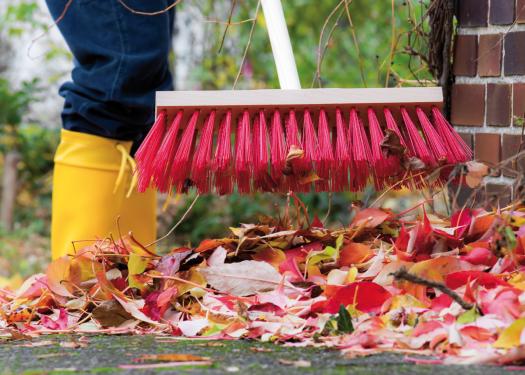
177 224
248 44
403 274
234 2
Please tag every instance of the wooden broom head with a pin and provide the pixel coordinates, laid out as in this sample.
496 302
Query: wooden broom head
299 100
281 140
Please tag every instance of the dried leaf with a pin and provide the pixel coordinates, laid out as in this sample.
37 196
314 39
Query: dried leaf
243 278
475 173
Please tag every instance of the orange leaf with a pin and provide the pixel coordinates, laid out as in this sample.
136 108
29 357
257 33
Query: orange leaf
273 256
355 253
58 277
208 244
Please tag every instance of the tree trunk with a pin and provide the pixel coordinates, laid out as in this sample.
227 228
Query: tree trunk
9 188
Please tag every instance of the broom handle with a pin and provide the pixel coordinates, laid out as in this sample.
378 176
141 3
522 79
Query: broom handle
281 46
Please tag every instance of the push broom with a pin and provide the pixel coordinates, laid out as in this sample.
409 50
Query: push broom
296 139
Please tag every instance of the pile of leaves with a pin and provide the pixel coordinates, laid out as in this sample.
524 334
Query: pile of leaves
453 288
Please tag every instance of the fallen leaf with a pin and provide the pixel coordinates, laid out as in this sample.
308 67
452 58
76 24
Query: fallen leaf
110 314
244 278
476 171
170 357
511 336
298 363
365 296
370 218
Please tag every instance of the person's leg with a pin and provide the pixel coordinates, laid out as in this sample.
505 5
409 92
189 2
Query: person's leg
121 59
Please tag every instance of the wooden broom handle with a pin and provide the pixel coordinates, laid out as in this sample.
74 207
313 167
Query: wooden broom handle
281 45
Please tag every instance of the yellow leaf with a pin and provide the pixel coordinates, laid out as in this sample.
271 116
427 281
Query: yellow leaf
511 336
136 264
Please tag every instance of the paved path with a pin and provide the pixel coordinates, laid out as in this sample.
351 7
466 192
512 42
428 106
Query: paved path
103 355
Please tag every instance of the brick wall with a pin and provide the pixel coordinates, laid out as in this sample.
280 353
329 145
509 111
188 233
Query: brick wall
489 90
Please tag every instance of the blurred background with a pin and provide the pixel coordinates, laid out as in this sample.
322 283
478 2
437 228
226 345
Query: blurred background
217 45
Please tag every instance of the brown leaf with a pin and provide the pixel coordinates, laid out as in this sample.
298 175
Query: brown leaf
298 363
294 153
413 164
111 314
170 357
391 144
475 173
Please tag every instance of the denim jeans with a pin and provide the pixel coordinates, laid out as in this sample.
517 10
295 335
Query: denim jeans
120 60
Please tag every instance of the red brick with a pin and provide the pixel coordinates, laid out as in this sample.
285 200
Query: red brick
498 194
515 53
472 13
498 104
520 11
465 55
511 147
468 105
489 55
502 12
468 139
519 100
487 148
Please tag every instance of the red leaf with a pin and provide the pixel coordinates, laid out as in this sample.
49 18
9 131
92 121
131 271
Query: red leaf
367 296
370 218
480 255
489 281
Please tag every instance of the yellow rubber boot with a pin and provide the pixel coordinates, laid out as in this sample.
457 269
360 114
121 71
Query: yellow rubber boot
92 184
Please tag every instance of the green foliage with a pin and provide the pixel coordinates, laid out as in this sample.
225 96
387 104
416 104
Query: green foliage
17 18
14 103
364 44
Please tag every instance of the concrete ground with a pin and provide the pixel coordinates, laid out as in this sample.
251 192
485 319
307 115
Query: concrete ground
104 354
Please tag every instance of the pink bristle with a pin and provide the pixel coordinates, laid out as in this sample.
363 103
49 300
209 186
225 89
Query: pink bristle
434 141
299 166
325 157
392 125
201 168
243 154
361 154
260 145
342 156
166 154
221 164
310 144
147 151
395 160
457 149
277 149
380 163
416 144
181 167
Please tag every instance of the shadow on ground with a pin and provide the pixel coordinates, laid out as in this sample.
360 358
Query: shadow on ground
104 354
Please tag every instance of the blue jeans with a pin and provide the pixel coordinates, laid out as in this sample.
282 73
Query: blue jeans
120 60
